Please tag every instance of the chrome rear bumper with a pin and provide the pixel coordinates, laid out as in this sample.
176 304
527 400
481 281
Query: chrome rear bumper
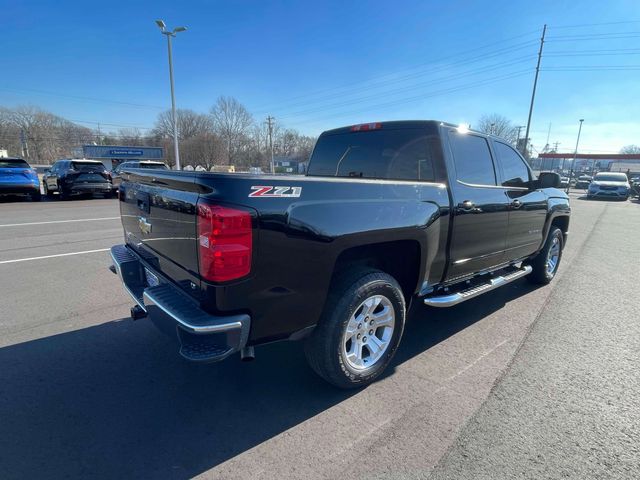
203 337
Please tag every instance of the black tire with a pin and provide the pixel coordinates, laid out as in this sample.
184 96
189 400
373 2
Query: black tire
540 274
36 196
325 349
47 193
62 194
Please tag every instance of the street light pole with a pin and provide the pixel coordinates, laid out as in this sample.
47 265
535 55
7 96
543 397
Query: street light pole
575 154
174 119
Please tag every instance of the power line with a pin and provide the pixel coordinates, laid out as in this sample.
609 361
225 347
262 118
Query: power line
427 64
112 124
595 35
578 39
397 80
381 106
591 68
581 25
590 54
77 97
438 81
592 51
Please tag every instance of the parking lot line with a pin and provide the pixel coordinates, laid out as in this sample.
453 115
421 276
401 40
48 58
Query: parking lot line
59 221
53 256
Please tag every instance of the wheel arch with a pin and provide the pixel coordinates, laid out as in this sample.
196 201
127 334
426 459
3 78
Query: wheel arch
402 259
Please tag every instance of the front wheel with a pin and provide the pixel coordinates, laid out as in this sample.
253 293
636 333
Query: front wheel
545 263
48 193
359 331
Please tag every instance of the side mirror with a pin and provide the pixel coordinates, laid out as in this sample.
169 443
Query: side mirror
548 180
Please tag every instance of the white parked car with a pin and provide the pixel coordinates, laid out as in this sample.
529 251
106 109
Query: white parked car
609 185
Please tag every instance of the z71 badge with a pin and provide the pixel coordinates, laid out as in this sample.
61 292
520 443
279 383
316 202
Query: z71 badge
275 192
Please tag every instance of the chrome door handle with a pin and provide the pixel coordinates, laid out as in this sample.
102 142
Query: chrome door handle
466 206
516 204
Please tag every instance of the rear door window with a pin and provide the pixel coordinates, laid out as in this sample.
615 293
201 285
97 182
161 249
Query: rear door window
399 154
472 159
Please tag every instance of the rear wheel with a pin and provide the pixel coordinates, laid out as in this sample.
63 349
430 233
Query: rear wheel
359 331
545 263
35 196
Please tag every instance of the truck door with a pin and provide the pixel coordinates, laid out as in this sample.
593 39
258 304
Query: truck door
527 207
480 206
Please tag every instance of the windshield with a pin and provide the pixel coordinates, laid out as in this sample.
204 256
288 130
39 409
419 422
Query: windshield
87 166
13 163
611 177
153 166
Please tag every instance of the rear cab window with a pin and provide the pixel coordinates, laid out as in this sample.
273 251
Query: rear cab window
153 166
380 153
13 163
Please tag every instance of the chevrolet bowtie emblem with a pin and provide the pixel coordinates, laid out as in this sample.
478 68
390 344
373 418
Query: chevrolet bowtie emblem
145 227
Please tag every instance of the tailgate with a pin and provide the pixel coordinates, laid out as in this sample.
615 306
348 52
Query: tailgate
159 218
15 175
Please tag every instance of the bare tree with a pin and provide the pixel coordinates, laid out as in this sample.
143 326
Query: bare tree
233 123
499 125
9 133
189 123
630 149
46 136
205 149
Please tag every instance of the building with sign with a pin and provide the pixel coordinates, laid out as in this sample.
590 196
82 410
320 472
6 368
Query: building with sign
113 155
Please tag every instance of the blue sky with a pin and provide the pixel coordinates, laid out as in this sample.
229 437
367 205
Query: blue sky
318 65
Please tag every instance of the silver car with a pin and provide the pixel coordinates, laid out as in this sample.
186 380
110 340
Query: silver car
609 185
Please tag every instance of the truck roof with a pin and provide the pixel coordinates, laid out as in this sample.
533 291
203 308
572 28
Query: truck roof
396 124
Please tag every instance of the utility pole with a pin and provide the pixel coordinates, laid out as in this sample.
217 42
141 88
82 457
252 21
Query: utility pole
270 120
575 154
535 83
24 145
546 145
169 34
519 127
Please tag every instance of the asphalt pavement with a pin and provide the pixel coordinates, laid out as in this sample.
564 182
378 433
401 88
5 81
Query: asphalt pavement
524 382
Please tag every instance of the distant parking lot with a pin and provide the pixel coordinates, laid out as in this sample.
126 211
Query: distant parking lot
473 391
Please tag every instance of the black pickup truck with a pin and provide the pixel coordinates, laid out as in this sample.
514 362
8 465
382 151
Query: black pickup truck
388 212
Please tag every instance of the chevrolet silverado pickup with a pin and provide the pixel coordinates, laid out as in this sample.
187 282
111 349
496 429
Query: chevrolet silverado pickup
387 213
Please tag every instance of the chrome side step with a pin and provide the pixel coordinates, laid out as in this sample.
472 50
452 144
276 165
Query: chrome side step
449 300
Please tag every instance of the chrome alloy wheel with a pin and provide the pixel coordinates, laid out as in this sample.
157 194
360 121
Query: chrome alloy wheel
368 332
553 256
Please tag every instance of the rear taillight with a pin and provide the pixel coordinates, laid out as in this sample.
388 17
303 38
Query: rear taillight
224 242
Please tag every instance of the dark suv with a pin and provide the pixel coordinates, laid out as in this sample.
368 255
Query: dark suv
77 177
116 178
